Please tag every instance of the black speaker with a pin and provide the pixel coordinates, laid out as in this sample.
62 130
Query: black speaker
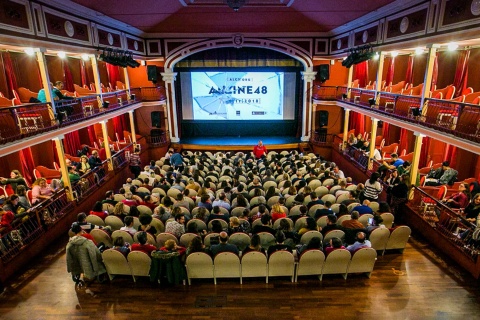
152 73
324 72
156 119
322 118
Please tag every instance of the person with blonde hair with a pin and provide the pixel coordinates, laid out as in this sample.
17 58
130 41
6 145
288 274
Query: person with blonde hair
171 246
277 212
41 191
119 210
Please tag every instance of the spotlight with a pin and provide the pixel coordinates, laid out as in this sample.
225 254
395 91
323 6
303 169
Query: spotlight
61 55
418 51
452 46
415 111
394 54
29 51
371 101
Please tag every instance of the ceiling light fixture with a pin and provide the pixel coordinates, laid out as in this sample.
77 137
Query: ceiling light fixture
61 55
376 56
394 54
452 46
85 57
29 51
418 51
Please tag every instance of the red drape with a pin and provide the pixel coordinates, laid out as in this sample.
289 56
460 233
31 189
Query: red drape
434 72
360 72
71 143
357 122
27 164
461 73
409 73
84 74
119 125
403 140
390 71
385 132
67 77
55 154
91 135
113 74
451 155
424 152
11 79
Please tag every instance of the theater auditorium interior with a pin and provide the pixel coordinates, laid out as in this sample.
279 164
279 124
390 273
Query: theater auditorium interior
239 159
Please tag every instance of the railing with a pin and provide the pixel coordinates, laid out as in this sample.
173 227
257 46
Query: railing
161 139
459 119
325 93
153 93
90 181
450 224
120 159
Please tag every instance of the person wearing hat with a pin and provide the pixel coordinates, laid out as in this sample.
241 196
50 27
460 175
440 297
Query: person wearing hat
441 176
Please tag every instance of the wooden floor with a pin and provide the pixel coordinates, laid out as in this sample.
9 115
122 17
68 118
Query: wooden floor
416 285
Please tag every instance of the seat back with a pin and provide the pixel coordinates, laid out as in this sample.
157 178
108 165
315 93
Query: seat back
364 219
158 224
226 265
398 238
254 264
363 261
281 263
123 234
199 265
201 225
266 239
379 238
208 237
321 191
115 263
343 218
114 222
139 263
240 239
101 236
96 220
310 263
162 237
387 219
300 223
322 221
333 234
186 238
309 235
150 239
276 225
337 262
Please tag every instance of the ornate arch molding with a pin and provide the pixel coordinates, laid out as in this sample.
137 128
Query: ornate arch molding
238 41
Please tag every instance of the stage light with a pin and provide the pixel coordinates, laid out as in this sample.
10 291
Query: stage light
29 51
376 56
85 57
371 101
394 54
452 46
61 55
418 51
143 62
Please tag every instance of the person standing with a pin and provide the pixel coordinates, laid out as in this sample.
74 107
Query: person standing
260 150
135 162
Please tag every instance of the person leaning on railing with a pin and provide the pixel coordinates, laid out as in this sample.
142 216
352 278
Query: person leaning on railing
41 191
15 180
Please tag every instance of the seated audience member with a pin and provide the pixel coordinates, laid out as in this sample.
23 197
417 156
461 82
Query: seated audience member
143 245
335 244
172 246
325 211
279 246
82 221
176 227
292 237
222 201
404 168
6 219
110 198
314 200
181 202
15 180
472 211
265 226
129 199
277 212
342 210
255 245
217 214
237 226
394 163
460 199
331 225
303 213
311 225
119 211
337 173
97 210
94 161
205 202
13 204
223 246
361 242
72 175
129 225
195 245
353 223
120 245
202 214
351 199
22 197
441 176
162 214
134 212
83 167
41 191
150 202
314 243
257 194
145 220
363 208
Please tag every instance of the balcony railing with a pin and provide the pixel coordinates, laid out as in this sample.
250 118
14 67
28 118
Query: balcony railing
27 120
458 119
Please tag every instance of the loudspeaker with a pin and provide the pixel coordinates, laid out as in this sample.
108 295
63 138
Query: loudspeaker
324 72
156 119
152 73
322 118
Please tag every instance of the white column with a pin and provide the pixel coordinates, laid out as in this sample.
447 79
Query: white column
42 64
345 127
169 78
132 126
373 135
379 79
63 166
96 78
416 157
307 77
349 81
427 81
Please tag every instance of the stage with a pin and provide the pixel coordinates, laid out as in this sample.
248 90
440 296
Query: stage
228 143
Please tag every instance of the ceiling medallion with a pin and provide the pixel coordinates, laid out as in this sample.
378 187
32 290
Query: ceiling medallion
365 36
339 44
475 7
110 38
404 25
69 29
135 45
238 40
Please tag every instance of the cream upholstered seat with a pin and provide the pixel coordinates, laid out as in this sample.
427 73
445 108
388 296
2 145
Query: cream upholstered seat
309 235
314 184
158 224
269 184
164 236
116 263
398 238
314 208
374 206
337 263
321 191
281 263
199 265
364 219
335 208
139 263
333 234
186 238
276 224
254 264
329 197
108 207
342 197
123 234
208 237
334 189
322 221
118 197
266 239
343 218
101 236
143 190
114 222
172 192
222 222
96 220
300 223
388 219
363 261
351 206
310 263
240 239
150 239
295 210
226 265
201 225
143 209
379 238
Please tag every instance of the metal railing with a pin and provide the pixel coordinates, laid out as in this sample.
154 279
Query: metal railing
159 140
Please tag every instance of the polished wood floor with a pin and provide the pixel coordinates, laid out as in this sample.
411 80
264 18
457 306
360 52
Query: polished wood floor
418 284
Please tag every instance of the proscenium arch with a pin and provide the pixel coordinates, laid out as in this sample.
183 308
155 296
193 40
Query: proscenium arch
190 48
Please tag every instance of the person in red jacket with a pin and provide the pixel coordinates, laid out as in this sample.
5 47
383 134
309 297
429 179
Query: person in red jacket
260 150
143 245
7 218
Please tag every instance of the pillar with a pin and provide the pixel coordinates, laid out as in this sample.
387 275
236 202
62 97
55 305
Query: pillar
307 77
132 126
373 135
169 78
379 79
63 166
427 81
96 78
345 127
106 145
42 65
349 81
416 157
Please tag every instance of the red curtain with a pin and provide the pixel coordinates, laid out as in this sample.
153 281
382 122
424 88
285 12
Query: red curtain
424 152
461 73
55 154
451 155
390 71
360 72
409 74
67 77
91 135
385 132
119 125
113 74
403 140
71 143
357 122
434 73
84 74
11 79
27 164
